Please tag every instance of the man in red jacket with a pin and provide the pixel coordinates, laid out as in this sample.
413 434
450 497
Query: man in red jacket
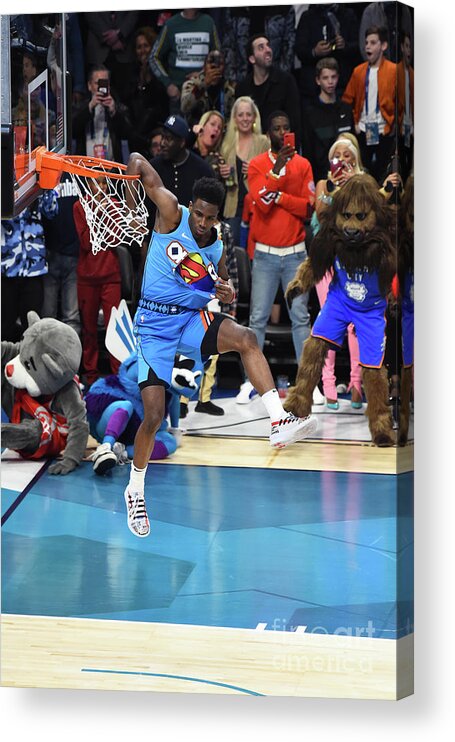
281 184
371 92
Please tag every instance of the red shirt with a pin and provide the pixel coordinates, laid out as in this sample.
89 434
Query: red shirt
280 204
104 267
54 425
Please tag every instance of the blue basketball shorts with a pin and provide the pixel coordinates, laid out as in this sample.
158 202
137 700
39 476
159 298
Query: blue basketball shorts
161 337
335 316
407 329
407 320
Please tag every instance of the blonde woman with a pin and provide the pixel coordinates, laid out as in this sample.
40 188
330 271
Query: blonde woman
209 132
345 161
347 135
242 142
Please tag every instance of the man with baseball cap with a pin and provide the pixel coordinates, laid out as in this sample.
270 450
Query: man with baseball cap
176 165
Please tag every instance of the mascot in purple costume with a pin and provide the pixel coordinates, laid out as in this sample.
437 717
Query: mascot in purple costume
115 411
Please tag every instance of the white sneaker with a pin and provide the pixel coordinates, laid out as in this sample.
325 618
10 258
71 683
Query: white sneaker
138 521
178 434
120 451
318 398
103 459
291 429
246 394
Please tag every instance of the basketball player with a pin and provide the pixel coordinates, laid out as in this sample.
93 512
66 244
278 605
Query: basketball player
184 269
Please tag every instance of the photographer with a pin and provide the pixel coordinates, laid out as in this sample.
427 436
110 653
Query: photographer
208 90
100 123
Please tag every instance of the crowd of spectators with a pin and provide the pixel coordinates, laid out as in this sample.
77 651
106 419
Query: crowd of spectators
205 92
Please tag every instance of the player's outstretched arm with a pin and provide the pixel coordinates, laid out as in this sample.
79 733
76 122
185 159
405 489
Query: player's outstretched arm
167 204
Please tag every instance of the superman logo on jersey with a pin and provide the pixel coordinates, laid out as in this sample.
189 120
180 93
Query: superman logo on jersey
194 271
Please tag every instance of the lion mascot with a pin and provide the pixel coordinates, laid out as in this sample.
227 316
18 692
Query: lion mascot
406 283
41 395
356 243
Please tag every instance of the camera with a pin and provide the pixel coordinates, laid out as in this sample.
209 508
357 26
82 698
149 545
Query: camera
215 61
103 87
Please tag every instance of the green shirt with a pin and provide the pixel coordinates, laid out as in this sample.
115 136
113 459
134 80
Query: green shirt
182 48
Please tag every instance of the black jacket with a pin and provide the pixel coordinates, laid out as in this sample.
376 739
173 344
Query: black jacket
119 127
322 123
314 25
278 93
179 179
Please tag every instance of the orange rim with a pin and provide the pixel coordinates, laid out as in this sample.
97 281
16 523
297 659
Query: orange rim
50 163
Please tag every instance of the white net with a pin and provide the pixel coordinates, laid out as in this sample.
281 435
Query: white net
114 207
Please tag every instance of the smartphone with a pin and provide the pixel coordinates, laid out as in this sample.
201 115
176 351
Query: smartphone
103 87
336 166
289 138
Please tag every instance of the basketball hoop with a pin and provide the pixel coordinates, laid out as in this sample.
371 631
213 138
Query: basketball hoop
113 201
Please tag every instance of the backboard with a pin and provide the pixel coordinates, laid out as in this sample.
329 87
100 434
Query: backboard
35 94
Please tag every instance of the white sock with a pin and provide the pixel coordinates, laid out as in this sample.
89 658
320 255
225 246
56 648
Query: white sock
137 478
273 405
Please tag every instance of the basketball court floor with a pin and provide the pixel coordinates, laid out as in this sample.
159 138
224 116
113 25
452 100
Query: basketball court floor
266 572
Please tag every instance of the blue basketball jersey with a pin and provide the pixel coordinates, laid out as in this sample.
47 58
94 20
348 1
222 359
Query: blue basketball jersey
178 271
360 289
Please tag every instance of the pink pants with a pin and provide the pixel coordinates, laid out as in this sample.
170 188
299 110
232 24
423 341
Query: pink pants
328 372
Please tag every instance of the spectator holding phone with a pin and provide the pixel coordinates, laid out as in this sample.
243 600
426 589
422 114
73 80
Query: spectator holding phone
281 184
180 50
328 30
208 90
101 122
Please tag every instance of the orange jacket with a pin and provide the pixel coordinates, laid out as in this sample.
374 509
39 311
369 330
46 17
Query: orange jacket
387 90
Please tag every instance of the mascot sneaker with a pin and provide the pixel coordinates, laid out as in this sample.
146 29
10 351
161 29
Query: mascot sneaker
104 459
120 451
246 394
138 521
291 429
